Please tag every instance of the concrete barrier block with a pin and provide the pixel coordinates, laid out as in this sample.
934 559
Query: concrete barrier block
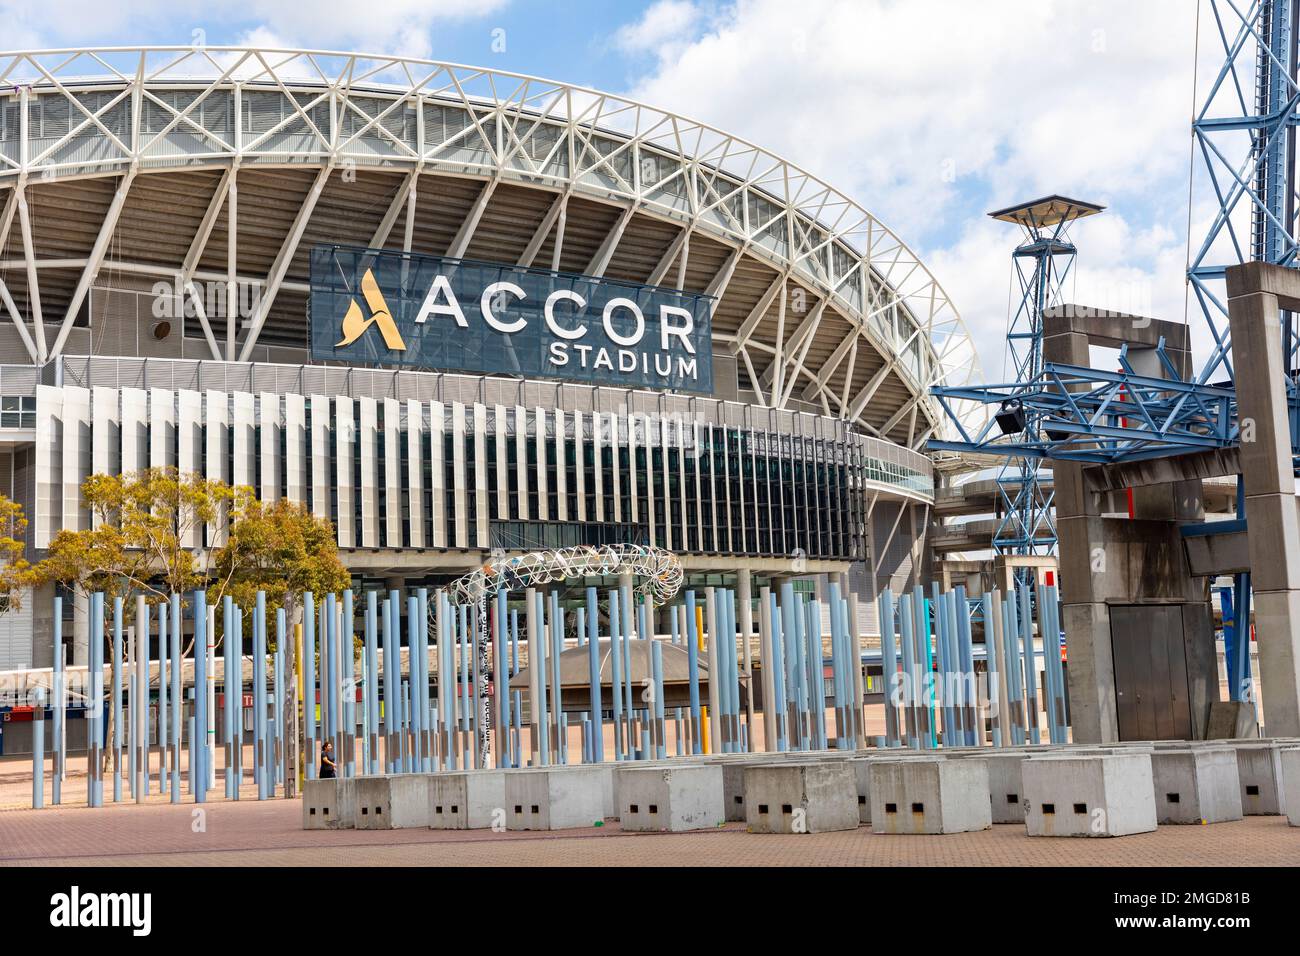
467 800
1006 785
392 801
1197 785
1092 795
1289 763
549 798
929 795
811 797
671 798
329 804
1260 771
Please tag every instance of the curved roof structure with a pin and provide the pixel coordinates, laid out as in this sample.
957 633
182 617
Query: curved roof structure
127 164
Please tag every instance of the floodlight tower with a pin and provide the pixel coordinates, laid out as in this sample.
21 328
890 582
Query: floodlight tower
1042 263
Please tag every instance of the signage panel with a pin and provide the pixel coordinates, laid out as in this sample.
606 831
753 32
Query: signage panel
431 312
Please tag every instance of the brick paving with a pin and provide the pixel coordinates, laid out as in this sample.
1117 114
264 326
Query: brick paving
249 833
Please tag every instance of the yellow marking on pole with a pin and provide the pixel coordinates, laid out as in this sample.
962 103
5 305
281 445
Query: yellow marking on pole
704 727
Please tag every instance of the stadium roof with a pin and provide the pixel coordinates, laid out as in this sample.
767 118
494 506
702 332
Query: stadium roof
126 162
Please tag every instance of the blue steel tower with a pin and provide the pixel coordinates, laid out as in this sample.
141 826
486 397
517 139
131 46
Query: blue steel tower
1042 263
1244 133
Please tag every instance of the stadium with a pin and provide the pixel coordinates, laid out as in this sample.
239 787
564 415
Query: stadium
457 311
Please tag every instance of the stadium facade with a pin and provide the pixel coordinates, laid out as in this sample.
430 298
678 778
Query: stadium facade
455 310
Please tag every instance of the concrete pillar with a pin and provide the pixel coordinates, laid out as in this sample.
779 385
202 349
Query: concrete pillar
1085 617
1274 529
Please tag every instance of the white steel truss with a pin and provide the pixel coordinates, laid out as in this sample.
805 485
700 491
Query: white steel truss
129 110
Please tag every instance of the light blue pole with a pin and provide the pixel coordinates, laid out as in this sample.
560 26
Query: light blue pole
371 677
237 641
467 716
1050 623
966 652
163 725
837 663
309 680
677 711
584 721
954 660
925 667
646 633
857 732
280 635
427 720
415 715
616 673
779 667
501 677
193 767
593 669
399 706
557 645
889 667
117 699
390 679
95 711
627 609
199 784
59 702
994 676
447 688
348 688
1022 621
178 665
329 670
1015 721
906 620
259 696
692 638
800 658
233 696
517 698
38 750
938 606
657 666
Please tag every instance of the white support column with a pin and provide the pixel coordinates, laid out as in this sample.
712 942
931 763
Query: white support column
482 531
189 449
461 523
393 478
268 416
503 463
297 449
243 437
216 414
631 472
345 437
579 465
598 464
543 483
49 465
320 456
76 455
162 425
33 280
561 472
438 472
368 441
105 456
521 460
415 471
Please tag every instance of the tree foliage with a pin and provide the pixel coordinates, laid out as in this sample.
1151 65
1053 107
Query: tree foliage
15 570
141 524
280 548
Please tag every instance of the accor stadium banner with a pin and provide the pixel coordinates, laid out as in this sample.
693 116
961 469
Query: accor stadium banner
432 312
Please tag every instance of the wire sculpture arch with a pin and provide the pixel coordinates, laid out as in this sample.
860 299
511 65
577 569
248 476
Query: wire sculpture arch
658 572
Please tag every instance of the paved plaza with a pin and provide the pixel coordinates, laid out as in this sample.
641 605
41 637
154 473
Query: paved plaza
249 833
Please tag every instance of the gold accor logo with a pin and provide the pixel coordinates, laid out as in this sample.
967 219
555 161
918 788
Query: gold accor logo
354 323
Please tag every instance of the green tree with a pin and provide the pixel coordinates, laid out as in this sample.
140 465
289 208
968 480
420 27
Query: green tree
15 570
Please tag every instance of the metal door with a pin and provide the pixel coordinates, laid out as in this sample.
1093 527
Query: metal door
1150 665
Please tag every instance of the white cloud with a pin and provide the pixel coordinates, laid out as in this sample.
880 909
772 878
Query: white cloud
930 114
664 25
402 27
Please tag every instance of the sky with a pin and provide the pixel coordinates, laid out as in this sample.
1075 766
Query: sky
928 114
